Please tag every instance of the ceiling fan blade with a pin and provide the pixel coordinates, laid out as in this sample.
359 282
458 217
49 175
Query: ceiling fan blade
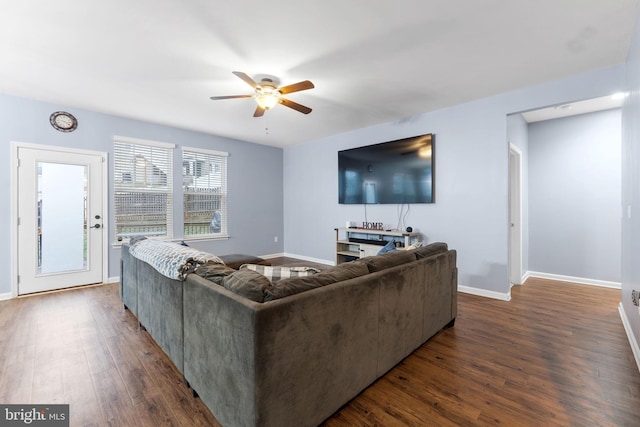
230 97
295 106
296 87
248 80
259 112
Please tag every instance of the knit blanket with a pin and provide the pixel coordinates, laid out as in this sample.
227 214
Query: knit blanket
172 260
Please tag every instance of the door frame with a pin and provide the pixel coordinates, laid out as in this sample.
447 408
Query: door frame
515 190
14 205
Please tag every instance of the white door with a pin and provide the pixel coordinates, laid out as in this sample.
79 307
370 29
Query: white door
60 219
515 216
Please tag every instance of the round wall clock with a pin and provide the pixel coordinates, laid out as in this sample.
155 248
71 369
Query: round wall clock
63 121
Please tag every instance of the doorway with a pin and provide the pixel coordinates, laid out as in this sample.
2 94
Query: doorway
59 209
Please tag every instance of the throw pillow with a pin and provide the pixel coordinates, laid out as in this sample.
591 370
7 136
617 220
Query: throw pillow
389 247
279 272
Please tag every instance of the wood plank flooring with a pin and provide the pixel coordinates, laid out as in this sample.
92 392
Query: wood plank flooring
556 355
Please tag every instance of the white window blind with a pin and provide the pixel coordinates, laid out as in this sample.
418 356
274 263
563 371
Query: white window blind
204 177
143 184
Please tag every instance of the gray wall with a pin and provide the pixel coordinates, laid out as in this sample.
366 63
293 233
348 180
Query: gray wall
471 173
631 186
575 196
518 135
255 173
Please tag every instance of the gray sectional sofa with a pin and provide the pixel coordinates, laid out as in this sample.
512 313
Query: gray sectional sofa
314 342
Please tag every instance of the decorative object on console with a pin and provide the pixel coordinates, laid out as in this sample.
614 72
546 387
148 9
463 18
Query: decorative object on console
372 225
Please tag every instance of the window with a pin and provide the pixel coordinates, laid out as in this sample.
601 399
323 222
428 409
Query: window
143 188
204 180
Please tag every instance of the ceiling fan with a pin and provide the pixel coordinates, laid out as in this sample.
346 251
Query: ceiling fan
268 94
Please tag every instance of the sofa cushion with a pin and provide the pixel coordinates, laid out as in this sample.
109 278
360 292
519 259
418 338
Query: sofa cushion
280 272
294 285
388 260
247 283
430 249
214 271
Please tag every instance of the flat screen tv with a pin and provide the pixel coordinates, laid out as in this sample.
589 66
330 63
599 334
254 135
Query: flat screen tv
393 172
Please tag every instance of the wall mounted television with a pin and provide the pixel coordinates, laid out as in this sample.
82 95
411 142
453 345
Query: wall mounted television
393 172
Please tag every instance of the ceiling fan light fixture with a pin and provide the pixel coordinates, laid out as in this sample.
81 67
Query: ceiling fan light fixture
267 99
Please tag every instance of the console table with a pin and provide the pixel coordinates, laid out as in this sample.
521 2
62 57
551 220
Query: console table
353 243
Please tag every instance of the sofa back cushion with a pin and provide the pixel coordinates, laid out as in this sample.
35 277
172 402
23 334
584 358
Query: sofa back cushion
294 285
430 249
388 260
214 272
247 283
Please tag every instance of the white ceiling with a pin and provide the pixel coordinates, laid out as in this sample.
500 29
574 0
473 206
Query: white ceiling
371 61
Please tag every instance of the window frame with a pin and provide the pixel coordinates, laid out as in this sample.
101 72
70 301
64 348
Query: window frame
224 194
167 190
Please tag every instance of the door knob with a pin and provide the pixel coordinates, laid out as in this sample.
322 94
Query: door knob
96 226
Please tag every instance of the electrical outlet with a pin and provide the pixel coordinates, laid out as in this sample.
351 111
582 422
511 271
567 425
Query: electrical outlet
635 296
275 239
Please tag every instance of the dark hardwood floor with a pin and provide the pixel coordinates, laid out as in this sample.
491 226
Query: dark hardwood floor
556 355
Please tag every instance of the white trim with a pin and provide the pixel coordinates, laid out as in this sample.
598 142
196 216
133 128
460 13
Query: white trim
526 276
13 215
115 279
15 145
632 339
518 152
269 256
105 215
485 293
19 144
572 279
205 151
6 296
150 142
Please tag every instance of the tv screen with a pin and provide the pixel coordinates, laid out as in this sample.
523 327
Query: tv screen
392 172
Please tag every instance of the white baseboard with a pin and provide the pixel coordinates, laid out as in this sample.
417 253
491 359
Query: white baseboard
572 279
310 259
113 279
632 339
269 256
485 293
6 296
